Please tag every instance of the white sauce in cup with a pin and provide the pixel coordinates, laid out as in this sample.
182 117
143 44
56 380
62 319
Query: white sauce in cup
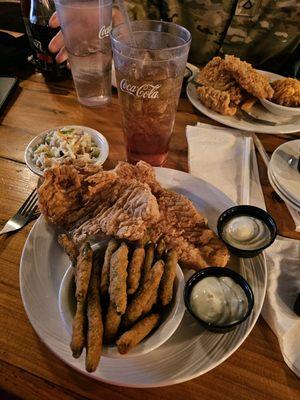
218 300
246 233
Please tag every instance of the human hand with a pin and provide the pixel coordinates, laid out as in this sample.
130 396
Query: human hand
57 44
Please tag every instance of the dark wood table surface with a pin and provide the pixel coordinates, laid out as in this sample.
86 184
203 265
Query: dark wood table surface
28 369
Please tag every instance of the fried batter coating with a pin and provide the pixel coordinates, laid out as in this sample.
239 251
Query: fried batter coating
137 333
117 279
168 278
82 279
216 100
112 323
110 249
286 92
248 78
135 269
148 288
78 330
83 271
69 247
216 76
149 258
160 248
95 324
249 103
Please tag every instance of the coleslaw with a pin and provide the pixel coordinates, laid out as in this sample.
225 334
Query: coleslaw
63 145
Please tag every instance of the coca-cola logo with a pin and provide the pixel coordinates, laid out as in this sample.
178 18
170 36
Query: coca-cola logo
145 91
104 31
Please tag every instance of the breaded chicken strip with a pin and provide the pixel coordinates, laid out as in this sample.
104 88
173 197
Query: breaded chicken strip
248 78
216 76
287 92
216 100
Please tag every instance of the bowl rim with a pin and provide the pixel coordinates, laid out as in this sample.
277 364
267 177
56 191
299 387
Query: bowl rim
111 351
279 106
246 210
39 138
219 271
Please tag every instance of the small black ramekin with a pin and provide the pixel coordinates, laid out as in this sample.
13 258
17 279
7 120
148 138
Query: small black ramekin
250 211
218 271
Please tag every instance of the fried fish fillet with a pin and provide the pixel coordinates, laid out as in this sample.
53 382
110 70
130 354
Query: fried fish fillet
248 78
286 92
217 100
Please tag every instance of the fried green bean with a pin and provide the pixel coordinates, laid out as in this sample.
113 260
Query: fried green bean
94 318
135 269
137 333
141 299
117 279
168 278
104 285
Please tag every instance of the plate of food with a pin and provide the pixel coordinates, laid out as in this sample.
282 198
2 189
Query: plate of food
232 92
136 206
65 143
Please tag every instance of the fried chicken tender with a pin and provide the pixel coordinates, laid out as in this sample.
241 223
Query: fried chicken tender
137 333
69 247
112 323
135 269
248 78
168 278
139 303
117 279
82 279
104 284
286 92
216 100
94 318
216 76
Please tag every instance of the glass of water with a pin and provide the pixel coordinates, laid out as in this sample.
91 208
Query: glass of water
86 25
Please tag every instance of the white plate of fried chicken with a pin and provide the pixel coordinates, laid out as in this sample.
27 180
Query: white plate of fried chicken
229 91
128 202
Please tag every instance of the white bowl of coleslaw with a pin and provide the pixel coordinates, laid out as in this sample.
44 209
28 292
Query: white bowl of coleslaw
63 144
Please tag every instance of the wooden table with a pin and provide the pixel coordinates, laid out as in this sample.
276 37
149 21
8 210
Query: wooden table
27 368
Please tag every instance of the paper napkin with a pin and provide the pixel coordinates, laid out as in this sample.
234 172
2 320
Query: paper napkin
216 155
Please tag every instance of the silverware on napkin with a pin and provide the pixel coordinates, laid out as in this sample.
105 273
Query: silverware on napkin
27 212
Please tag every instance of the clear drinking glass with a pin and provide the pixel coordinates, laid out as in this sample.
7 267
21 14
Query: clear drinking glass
86 25
149 76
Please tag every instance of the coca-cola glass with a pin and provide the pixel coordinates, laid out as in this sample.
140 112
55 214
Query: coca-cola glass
86 25
149 72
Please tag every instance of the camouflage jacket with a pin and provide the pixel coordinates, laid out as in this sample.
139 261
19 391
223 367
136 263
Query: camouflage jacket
263 32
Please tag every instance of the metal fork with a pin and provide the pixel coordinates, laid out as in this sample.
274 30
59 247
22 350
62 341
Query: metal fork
26 213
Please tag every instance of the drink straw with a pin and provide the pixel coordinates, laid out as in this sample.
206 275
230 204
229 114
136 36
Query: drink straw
125 16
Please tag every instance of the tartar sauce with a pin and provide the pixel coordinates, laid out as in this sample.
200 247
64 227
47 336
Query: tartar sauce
246 233
218 300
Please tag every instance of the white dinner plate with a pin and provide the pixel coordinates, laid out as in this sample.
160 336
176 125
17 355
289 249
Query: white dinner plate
235 122
283 195
288 178
190 352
